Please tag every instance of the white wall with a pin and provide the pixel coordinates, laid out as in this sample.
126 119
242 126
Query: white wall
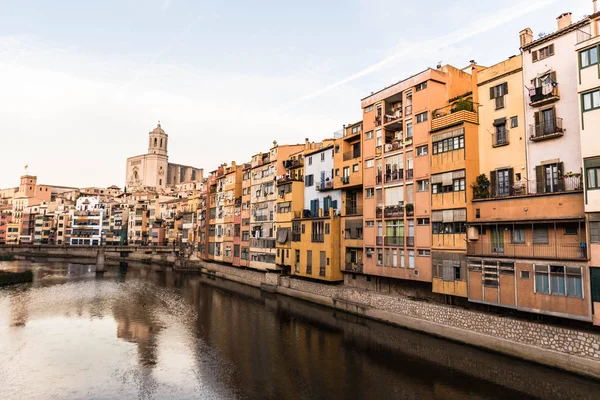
310 192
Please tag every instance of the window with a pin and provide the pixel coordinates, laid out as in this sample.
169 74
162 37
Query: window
594 232
370 193
422 221
503 182
369 108
423 186
422 150
309 180
346 172
593 177
518 235
421 86
424 253
355 168
497 93
368 135
514 122
356 128
422 117
542 280
450 144
322 156
322 263
457 272
572 229
409 132
542 53
411 259
540 234
370 224
309 262
310 160
442 228
379 257
500 137
459 185
369 163
524 274
588 57
591 100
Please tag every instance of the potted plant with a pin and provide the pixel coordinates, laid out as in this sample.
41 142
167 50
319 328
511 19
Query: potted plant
409 209
481 187
462 104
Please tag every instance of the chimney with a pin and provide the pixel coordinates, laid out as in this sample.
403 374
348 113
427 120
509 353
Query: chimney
564 20
526 36
306 144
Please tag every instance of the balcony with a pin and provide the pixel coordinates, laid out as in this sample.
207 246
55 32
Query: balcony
379 178
393 145
547 129
351 155
393 119
394 241
263 243
352 133
291 164
353 209
324 186
353 267
317 237
548 241
289 178
454 115
395 175
345 180
538 97
524 187
262 218
393 211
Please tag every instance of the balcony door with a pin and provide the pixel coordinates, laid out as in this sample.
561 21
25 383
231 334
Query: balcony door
548 178
548 118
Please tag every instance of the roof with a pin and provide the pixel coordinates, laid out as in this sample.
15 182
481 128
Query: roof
158 130
574 26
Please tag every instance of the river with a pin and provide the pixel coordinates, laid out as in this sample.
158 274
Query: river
141 333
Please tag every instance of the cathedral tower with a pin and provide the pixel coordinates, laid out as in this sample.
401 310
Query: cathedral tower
158 141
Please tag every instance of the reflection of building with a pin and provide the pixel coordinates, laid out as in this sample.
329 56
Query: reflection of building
153 170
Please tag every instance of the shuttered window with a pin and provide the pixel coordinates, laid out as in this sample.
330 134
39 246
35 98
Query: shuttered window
540 234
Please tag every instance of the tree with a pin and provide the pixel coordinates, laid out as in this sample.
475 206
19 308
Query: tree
481 187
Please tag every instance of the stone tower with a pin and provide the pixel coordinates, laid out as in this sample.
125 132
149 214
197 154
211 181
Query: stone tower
158 141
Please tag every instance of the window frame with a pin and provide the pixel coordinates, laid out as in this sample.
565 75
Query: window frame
424 117
588 51
593 106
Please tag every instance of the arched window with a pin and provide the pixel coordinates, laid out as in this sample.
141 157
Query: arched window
160 182
161 143
154 142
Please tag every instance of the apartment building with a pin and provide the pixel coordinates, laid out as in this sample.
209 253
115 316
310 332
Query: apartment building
588 88
5 220
118 219
527 242
348 163
86 222
232 190
245 215
318 242
138 231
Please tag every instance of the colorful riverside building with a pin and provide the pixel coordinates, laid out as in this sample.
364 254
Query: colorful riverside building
232 190
316 230
245 215
348 178
409 220
527 244
588 88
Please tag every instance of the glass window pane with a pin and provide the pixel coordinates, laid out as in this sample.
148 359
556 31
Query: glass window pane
574 288
596 98
558 284
587 101
585 59
541 283
594 55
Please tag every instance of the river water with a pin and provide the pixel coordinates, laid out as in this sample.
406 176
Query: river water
140 333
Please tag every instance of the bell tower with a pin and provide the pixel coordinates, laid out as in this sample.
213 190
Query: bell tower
158 141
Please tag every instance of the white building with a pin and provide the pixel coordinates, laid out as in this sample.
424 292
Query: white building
86 222
319 194
552 111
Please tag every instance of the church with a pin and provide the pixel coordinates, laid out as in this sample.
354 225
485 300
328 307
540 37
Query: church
153 171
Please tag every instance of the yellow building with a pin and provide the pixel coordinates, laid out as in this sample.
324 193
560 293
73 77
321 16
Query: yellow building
349 179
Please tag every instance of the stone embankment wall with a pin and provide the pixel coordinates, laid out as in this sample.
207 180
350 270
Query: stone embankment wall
565 348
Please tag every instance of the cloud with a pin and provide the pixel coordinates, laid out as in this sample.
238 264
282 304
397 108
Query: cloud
480 25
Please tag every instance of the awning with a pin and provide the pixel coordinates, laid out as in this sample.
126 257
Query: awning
282 234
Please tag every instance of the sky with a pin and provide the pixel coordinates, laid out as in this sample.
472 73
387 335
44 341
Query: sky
82 83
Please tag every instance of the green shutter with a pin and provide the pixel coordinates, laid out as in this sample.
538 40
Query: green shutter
595 283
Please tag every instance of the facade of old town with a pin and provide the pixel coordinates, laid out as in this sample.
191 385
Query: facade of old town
477 185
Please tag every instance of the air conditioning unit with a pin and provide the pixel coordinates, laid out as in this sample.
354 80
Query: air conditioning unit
388 147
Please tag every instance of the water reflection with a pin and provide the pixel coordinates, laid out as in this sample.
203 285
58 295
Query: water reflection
139 333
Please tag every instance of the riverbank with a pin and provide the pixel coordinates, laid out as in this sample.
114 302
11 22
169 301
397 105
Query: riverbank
566 348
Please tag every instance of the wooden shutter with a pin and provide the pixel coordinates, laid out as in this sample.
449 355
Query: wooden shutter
505 88
538 125
493 187
561 179
492 93
539 178
595 283
534 55
511 181
553 76
551 50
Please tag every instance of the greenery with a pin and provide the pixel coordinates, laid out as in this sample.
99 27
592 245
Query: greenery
409 208
462 104
481 187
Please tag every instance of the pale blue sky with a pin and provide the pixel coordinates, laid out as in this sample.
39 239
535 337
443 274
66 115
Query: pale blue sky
82 83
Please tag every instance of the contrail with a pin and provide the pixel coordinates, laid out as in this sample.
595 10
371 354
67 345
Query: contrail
481 25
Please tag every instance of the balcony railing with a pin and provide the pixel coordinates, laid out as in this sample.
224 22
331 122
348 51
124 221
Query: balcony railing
291 164
525 187
263 243
324 186
317 237
352 209
394 116
394 241
555 249
353 267
350 155
454 115
262 218
546 129
396 175
393 211
345 180
539 98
